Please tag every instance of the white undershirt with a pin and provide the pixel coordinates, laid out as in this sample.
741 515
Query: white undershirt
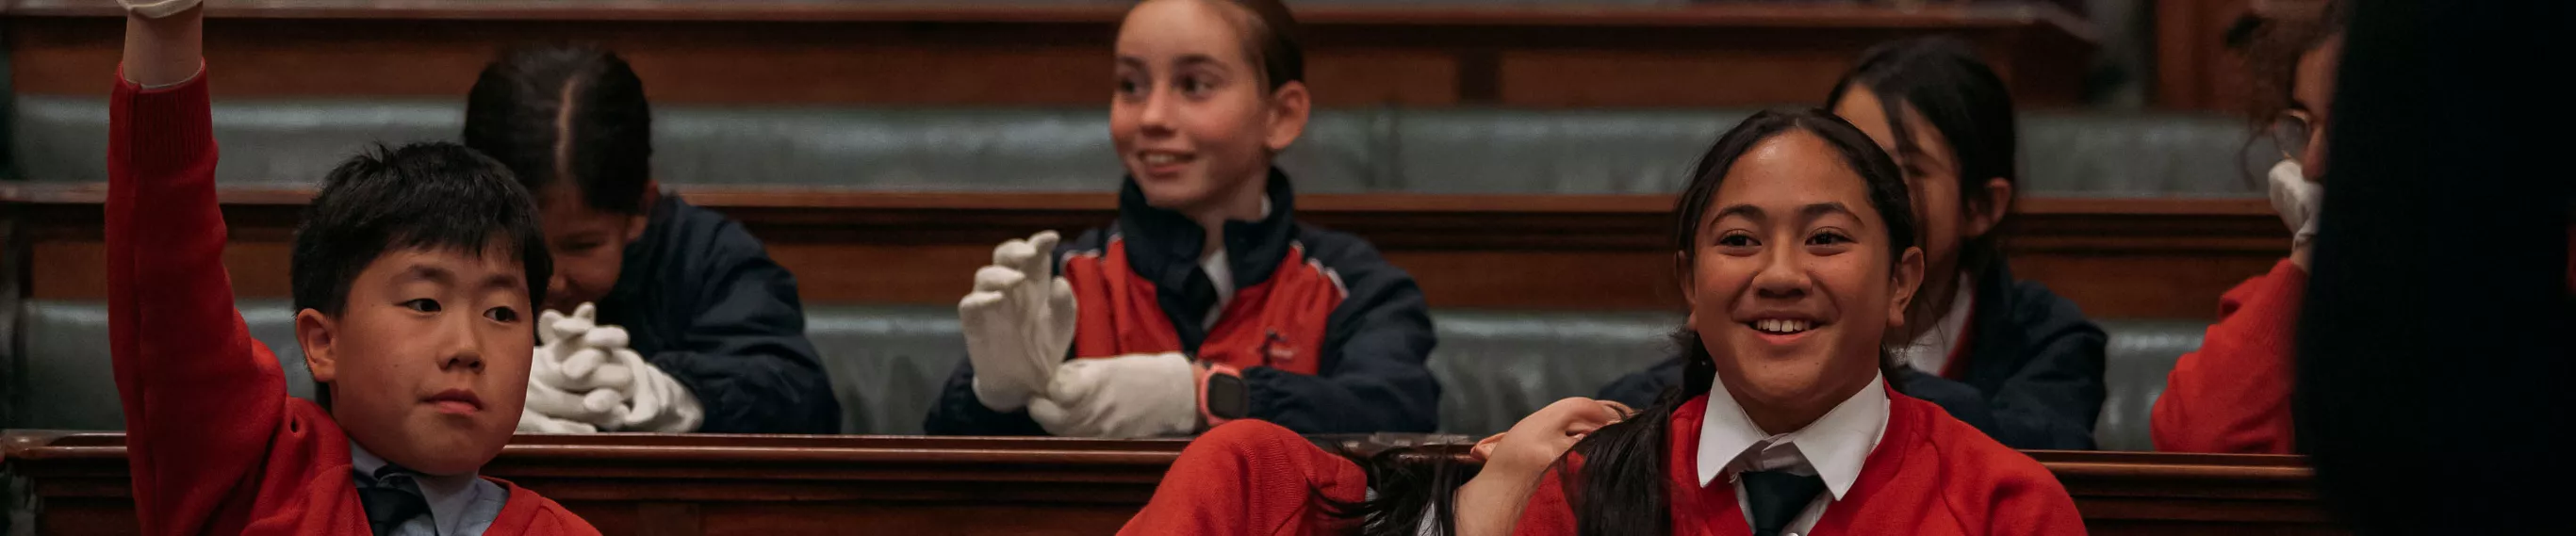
1930 350
1834 447
1220 274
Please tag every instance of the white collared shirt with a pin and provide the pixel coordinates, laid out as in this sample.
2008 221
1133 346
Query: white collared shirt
1221 275
1930 350
1834 447
459 505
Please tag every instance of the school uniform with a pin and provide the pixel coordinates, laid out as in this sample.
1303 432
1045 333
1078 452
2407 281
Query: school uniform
1329 337
2021 364
1880 462
216 445
701 300
2233 394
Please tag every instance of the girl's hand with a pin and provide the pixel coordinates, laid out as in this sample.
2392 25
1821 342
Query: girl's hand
1515 460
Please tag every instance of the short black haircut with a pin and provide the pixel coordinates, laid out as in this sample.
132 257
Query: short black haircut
566 114
435 195
425 195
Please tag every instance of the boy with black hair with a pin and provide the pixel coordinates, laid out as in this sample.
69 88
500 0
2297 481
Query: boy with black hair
413 274
676 320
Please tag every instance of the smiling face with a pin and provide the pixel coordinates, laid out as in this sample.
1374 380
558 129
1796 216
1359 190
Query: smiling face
427 361
1792 281
1192 118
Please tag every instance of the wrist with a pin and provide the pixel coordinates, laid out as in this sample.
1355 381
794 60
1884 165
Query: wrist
1491 503
1222 395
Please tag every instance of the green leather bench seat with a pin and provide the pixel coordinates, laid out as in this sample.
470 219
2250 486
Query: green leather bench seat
1356 150
887 363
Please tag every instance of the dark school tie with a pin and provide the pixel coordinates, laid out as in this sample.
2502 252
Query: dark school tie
1778 497
391 499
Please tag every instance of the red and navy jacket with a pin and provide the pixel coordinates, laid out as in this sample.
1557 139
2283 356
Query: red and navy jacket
2032 375
1330 337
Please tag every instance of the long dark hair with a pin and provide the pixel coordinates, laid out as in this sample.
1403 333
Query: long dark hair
566 115
1942 79
1622 488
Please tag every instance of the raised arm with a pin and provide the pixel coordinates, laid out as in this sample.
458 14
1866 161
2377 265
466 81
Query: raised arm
201 396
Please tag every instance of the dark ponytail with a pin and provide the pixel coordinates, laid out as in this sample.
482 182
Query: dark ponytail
1941 79
566 115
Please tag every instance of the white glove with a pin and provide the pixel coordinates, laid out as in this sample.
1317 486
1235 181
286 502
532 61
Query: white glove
531 421
1019 322
153 9
585 372
1124 397
2298 200
655 402
566 375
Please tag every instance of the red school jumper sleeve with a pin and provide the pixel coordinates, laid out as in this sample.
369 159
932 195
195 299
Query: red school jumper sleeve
1252 477
202 398
2233 395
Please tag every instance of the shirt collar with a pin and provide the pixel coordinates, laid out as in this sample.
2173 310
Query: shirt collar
1834 447
1931 350
448 496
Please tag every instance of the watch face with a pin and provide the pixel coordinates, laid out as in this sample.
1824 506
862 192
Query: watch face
1227 397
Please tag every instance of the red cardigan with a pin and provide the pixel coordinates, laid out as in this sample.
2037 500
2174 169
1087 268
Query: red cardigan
216 445
2233 395
1931 475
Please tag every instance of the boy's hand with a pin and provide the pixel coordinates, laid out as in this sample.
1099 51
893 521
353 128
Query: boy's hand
154 9
1019 322
1516 460
1124 397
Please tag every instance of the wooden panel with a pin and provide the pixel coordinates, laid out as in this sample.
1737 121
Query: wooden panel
1626 78
740 485
2117 258
758 52
2194 70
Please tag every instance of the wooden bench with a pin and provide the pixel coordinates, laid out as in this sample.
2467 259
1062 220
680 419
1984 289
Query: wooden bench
665 485
770 52
2117 258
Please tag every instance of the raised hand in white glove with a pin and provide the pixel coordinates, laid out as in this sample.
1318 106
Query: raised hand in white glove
1124 397
1019 322
2298 200
153 9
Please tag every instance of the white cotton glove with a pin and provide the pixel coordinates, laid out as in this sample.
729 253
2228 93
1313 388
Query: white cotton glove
153 9
2297 199
586 373
1124 397
1019 322
566 376
655 401
531 421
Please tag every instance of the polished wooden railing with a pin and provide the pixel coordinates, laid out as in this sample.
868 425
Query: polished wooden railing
680 485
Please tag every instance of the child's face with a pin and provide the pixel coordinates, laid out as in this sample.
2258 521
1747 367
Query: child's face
1931 175
1793 283
1192 118
428 361
589 246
